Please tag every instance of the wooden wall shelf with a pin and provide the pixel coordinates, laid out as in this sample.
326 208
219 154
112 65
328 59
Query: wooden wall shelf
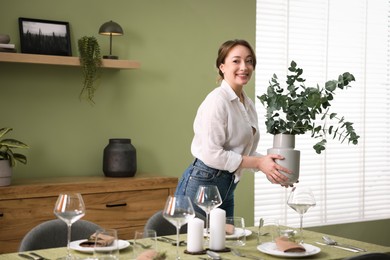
63 60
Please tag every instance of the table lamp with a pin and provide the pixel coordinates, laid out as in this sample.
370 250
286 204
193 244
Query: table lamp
112 29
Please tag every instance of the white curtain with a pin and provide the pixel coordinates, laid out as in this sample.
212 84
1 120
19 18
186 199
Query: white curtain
326 38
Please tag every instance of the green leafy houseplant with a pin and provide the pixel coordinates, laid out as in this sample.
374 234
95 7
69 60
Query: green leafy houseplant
91 61
7 146
296 109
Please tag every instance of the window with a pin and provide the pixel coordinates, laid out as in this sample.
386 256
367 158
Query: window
326 38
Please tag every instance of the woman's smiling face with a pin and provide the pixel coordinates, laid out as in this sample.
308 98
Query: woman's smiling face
238 66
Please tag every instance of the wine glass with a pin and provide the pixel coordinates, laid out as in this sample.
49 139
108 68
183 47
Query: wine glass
301 199
178 211
69 208
207 198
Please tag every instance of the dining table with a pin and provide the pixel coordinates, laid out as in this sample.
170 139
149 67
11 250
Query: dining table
314 239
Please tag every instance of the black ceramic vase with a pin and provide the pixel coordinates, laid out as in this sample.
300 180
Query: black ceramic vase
119 158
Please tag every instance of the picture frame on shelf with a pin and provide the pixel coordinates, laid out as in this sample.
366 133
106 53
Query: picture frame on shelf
46 37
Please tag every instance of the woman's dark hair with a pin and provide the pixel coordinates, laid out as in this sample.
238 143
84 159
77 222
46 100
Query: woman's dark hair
225 49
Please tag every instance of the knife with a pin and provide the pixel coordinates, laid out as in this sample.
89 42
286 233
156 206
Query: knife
340 247
39 257
26 256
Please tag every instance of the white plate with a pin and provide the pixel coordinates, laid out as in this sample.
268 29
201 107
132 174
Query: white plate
75 245
237 232
271 249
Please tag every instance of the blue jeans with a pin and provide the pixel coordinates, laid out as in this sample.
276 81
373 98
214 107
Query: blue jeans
198 174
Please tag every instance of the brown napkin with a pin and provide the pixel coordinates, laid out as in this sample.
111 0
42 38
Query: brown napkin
147 255
229 229
103 240
287 246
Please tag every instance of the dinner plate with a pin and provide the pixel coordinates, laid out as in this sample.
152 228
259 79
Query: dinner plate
271 249
75 245
237 233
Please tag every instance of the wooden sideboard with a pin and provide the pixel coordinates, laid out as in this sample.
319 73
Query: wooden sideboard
121 203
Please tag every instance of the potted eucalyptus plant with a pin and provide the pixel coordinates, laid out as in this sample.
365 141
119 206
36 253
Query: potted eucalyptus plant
296 109
8 157
91 61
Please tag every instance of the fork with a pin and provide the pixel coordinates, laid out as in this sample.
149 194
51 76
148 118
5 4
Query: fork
140 244
240 254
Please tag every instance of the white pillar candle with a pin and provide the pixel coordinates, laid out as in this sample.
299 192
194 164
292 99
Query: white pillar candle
217 229
195 235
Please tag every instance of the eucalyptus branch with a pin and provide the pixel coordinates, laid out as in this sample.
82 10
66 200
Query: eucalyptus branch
294 109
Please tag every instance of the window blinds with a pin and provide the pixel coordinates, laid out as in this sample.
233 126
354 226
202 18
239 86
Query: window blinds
326 38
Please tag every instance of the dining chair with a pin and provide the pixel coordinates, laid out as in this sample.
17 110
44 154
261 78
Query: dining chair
53 233
163 227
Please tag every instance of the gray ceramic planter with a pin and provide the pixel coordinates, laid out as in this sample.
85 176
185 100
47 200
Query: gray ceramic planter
284 145
5 173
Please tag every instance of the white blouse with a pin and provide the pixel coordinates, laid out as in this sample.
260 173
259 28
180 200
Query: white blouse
225 130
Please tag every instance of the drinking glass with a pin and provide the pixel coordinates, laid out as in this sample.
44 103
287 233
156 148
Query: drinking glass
268 230
144 240
178 210
207 198
109 251
69 208
238 238
301 199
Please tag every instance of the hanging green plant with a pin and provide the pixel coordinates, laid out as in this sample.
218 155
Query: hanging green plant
91 61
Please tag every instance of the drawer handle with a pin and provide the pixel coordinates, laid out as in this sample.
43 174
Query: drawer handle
1 214
112 205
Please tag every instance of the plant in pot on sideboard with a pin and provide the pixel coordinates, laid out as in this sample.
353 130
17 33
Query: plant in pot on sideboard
297 109
9 158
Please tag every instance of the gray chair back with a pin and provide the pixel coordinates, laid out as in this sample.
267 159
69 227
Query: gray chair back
53 233
163 227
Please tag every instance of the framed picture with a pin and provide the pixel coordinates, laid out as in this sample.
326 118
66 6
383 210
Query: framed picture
44 37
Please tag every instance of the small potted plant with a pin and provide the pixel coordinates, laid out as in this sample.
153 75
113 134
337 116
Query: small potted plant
297 109
8 157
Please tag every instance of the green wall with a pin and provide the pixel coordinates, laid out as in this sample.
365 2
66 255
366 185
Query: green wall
176 42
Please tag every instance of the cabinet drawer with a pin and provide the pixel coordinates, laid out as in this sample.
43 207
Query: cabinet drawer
20 215
128 210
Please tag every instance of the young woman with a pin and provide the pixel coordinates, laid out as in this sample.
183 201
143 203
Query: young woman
226 131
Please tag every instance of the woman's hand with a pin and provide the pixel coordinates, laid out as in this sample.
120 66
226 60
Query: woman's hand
268 166
271 169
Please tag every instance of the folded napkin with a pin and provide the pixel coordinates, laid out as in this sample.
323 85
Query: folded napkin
152 255
287 246
101 240
229 229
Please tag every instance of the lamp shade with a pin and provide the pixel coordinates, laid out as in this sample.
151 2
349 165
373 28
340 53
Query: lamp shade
110 28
